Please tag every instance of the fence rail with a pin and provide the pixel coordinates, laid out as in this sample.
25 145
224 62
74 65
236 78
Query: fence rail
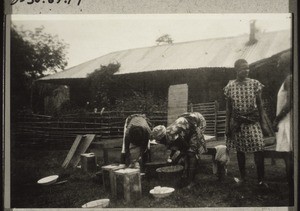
61 131
45 130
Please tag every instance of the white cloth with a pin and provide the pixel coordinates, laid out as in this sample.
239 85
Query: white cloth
222 156
283 136
208 137
124 132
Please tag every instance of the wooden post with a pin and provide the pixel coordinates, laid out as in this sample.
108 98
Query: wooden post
216 120
82 148
177 101
273 161
88 162
72 151
105 156
108 176
191 107
128 184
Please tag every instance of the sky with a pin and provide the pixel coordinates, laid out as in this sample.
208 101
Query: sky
92 36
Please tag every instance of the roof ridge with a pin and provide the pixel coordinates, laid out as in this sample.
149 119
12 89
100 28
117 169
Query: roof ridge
268 34
66 70
179 43
184 42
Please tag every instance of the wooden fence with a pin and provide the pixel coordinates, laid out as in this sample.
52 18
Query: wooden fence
215 119
38 130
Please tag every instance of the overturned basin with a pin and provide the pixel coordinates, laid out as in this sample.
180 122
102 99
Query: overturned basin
170 175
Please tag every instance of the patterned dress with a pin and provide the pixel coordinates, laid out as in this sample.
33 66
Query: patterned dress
243 100
187 133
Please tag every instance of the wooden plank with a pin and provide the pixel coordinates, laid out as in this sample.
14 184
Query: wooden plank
212 109
38 129
210 130
111 136
215 120
204 104
83 146
108 143
213 143
177 101
205 111
72 151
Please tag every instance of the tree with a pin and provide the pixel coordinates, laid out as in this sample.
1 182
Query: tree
166 38
34 54
102 83
99 83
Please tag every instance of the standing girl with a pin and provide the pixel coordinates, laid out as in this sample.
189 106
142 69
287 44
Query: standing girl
244 119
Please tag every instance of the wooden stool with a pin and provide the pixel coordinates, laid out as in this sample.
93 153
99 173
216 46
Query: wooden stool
88 162
109 177
128 184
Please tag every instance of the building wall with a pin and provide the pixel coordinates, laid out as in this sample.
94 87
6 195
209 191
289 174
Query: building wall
79 93
204 85
207 86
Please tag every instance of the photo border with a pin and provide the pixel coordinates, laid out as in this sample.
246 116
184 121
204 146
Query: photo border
144 7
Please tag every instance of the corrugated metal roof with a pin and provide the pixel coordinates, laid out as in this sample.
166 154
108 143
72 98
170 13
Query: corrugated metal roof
220 52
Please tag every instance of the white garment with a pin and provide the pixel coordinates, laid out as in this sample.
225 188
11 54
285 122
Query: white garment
222 156
283 136
124 132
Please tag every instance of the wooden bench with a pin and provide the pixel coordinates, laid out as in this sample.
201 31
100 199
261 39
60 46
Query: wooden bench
109 151
269 151
107 144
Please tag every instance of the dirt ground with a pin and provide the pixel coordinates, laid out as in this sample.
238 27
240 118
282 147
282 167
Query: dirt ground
28 166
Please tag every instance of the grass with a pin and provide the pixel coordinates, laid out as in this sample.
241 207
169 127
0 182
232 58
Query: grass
28 166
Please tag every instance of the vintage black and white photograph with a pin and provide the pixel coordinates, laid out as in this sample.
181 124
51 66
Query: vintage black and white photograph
151 111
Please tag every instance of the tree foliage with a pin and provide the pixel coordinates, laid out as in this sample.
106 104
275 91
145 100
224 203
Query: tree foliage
34 54
99 83
147 103
102 83
166 38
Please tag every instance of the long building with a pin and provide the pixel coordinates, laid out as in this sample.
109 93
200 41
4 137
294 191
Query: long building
205 65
